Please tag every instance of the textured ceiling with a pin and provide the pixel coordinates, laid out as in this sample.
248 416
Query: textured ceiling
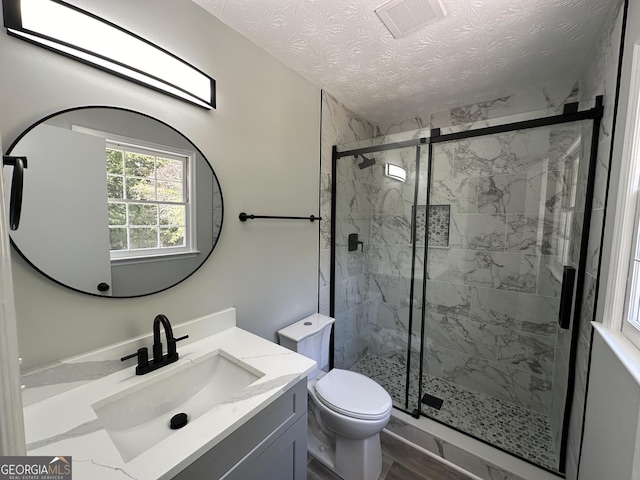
481 50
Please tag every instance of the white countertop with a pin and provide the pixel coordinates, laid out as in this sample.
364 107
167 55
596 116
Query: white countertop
65 424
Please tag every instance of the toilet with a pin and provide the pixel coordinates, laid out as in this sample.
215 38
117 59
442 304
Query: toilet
347 410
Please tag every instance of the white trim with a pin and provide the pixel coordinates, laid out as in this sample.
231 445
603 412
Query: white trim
631 332
154 258
625 209
622 348
12 438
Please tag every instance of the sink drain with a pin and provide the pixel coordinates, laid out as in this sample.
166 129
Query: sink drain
179 420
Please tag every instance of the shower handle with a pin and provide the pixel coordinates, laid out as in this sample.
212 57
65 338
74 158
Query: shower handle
354 242
566 297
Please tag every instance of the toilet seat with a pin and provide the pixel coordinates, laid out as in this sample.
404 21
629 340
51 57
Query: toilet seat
353 395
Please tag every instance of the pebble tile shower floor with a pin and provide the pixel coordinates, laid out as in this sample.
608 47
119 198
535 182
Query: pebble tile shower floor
519 431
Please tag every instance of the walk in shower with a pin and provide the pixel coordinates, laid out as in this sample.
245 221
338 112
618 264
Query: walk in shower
457 265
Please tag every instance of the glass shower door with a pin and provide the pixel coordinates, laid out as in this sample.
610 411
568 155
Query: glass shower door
503 219
373 264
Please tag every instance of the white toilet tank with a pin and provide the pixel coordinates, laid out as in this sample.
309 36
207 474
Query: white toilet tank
310 337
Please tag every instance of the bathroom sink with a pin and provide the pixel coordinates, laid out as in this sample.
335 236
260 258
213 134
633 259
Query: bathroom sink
139 417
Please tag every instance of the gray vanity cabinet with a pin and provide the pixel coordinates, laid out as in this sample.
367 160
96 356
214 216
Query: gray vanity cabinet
270 446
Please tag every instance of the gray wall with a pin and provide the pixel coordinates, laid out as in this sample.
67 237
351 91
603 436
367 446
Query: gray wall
610 448
264 133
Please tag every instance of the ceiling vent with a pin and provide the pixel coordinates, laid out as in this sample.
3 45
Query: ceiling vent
402 17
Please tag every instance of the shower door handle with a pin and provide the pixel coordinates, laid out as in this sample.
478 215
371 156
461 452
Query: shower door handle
354 242
566 297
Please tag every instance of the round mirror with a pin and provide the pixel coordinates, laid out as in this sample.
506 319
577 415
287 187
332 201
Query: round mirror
115 203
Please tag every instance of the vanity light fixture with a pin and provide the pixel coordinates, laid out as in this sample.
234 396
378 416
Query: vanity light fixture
83 36
395 172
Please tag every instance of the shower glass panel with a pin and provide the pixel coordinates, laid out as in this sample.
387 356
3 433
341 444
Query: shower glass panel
509 206
373 277
450 296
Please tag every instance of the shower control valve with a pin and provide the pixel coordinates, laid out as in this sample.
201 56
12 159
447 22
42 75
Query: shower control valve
353 243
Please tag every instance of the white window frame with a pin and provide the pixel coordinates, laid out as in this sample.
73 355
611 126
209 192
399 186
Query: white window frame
620 312
156 254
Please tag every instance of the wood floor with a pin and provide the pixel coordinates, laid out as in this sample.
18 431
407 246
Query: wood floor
399 462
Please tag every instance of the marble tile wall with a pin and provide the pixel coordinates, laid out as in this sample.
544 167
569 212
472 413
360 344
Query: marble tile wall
392 258
341 126
575 176
547 100
492 296
487 188
494 188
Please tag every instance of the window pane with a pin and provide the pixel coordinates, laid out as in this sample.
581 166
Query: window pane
143 214
139 165
117 214
172 215
140 189
170 191
172 237
114 187
144 238
167 169
146 192
118 238
114 161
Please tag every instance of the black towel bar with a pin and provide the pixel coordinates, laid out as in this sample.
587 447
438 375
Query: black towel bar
245 216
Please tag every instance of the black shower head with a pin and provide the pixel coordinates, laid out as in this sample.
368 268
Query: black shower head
366 162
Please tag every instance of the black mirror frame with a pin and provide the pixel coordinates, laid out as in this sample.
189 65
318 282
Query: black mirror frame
86 107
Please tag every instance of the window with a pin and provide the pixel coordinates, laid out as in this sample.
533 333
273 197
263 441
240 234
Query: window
151 192
631 323
621 275
148 196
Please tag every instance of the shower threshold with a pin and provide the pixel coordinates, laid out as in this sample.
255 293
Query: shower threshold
507 426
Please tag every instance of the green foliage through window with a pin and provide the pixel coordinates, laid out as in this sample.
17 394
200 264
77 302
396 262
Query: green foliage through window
147 196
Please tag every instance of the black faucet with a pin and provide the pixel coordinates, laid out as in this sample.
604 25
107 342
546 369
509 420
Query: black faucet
172 354
159 360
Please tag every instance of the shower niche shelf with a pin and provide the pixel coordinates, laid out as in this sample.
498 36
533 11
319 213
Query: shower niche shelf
439 222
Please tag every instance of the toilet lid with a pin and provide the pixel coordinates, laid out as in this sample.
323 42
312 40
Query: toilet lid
353 394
